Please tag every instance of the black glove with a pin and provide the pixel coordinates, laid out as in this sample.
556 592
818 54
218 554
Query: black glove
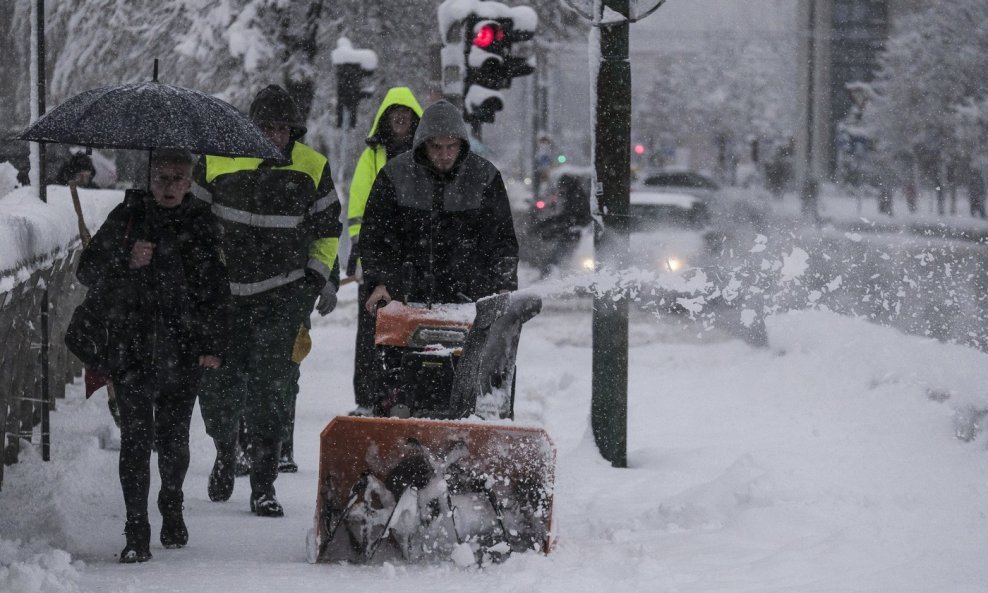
327 299
506 270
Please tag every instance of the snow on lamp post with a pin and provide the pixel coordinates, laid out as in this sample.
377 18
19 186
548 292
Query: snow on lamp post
611 97
353 68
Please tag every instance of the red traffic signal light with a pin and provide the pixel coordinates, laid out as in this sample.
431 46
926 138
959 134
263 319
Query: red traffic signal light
487 35
489 66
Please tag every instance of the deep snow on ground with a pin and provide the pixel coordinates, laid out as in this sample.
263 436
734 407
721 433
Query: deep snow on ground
826 462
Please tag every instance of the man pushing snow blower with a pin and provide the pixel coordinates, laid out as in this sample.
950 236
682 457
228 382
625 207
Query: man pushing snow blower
438 236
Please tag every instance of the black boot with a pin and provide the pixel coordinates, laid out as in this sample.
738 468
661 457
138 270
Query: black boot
174 533
138 548
262 476
286 463
266 505
220 486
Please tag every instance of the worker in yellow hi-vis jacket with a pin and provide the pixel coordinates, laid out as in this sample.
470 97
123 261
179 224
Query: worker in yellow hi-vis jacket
280 236
390 135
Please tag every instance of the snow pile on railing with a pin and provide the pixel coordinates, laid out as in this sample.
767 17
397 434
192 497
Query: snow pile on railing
33 233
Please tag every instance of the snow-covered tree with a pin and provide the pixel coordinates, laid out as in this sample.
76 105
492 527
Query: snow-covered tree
232 48
931 102
734 91
14 67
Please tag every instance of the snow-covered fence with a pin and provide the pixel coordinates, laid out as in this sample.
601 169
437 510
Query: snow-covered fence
39 249
20 356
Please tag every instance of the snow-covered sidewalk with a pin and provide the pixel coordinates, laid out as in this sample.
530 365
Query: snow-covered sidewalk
827 462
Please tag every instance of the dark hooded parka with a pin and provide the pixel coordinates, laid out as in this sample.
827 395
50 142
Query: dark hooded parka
162 316
166 315
455 227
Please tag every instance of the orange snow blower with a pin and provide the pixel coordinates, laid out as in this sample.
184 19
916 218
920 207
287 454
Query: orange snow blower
428 479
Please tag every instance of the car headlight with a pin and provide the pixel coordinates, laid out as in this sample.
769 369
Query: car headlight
675 264
589 264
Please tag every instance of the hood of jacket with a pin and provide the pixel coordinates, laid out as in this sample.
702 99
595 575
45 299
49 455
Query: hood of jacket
399 95
273 104
440 120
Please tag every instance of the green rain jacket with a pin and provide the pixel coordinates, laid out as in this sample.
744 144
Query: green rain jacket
373 159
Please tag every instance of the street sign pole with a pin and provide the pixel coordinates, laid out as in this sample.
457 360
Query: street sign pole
44 363
612 164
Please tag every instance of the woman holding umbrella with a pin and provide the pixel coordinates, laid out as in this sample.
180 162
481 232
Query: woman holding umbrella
156 265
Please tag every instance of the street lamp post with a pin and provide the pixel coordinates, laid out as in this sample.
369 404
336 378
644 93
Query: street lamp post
612 167
38 166
612 183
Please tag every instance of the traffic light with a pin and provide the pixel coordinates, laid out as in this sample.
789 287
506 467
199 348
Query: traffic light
489 62
353 69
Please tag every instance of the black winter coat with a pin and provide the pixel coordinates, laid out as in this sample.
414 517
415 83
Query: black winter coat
165 315
456 226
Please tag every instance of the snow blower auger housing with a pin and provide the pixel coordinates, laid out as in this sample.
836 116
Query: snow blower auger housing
428 485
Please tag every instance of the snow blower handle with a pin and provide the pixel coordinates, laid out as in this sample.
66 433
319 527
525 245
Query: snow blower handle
407 280
430 284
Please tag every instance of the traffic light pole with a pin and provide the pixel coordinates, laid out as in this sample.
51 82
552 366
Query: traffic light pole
538 123
612 163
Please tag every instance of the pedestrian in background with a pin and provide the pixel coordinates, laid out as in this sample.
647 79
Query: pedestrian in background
157 261
78 169
390 135
976 193
280 230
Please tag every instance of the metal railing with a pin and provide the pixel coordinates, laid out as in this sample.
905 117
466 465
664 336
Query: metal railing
21 364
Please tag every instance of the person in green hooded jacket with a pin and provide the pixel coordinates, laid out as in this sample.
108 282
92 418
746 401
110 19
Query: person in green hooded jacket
390 135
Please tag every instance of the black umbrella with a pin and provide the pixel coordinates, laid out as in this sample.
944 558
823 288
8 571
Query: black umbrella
147 115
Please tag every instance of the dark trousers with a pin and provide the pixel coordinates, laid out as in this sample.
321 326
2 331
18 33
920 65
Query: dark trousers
288 436
365 366
257 377
160 416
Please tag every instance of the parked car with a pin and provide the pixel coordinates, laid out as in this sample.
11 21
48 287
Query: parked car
667 233
670 217
679 180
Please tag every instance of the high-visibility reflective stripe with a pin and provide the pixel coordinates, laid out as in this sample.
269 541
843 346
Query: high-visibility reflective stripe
304 159
355 220
320 268
266 221
222 165
323 203
324 252
308 161
250 288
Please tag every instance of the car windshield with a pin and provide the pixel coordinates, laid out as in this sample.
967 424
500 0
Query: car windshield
679 179
649 217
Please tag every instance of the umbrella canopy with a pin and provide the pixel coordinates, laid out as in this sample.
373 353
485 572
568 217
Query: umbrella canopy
148 115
